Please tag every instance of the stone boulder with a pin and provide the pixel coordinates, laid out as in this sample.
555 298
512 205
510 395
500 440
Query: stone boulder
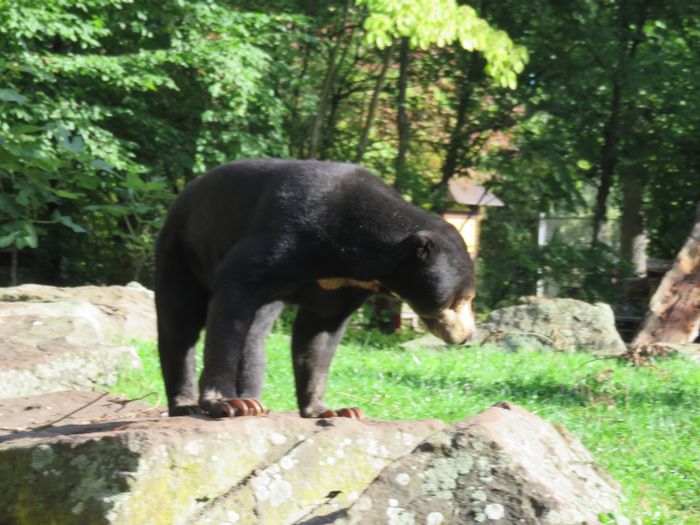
58 338
125 312
560 324
140 468
502 466
113 461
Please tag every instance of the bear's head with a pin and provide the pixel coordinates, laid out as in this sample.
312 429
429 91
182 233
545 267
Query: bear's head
436 278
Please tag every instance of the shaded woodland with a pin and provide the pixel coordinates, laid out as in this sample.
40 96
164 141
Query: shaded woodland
586 109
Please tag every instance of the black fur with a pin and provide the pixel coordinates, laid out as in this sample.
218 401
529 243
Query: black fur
247 236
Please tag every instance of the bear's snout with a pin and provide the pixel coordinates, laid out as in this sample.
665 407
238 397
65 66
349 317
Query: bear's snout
454 325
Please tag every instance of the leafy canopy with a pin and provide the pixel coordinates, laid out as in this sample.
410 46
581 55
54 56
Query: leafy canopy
442 22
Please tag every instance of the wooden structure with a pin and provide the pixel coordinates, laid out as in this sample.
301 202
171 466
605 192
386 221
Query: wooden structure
471 198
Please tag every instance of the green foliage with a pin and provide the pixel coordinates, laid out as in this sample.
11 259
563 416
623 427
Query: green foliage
443 22
503 280
641 424
565 266
589 273
41 165
107 106
123 103
581 53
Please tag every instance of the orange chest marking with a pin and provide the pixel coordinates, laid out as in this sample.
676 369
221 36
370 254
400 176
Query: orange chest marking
338 282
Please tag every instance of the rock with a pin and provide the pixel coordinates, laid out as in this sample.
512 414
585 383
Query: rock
58 338
128 311
560 324
22 414
141 468
501 466
111 461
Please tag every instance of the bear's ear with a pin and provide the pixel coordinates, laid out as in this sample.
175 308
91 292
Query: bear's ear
424 243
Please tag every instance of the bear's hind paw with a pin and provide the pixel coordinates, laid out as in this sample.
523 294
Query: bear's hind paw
351 413
238 406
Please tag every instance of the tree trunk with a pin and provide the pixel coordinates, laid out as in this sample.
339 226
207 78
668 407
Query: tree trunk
473 71
13 265
402 115
608 160
633 234
297 146
674 310
387 310
628 43
456 137
379 86
327 91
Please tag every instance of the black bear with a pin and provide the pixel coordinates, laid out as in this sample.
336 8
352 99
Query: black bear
248 236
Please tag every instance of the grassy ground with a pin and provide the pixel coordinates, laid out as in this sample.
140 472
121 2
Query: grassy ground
642 424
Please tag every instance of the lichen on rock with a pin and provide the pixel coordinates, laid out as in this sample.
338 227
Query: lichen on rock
503 465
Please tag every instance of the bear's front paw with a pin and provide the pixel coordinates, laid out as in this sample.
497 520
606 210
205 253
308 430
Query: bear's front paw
237 406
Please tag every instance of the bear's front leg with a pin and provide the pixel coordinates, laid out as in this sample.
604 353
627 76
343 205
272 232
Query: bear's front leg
316 334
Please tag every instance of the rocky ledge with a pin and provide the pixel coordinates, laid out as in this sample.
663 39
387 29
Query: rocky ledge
84 457
64 338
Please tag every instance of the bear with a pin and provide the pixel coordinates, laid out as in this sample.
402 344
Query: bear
249 236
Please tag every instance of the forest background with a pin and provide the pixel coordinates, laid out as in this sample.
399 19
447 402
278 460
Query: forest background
572 108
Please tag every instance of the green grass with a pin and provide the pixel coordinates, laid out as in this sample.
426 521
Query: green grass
642 424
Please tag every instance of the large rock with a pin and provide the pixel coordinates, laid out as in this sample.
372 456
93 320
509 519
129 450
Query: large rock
121 463
58 338
266 470
125 312
560 324
501 466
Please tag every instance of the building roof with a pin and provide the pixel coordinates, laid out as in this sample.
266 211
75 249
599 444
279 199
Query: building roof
465 191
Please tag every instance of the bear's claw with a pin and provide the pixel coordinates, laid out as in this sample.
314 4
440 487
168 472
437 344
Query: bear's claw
351 413
239 406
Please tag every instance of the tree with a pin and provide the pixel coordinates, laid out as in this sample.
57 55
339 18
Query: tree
108 109
106 104
608 108
429 22
338 52
403 128
40 167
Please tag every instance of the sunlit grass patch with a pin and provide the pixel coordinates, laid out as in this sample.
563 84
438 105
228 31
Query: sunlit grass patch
642 424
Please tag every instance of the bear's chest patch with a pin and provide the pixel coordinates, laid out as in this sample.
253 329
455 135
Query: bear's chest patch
338 282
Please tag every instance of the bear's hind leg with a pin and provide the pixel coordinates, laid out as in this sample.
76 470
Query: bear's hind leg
230 361
181 305
251 369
